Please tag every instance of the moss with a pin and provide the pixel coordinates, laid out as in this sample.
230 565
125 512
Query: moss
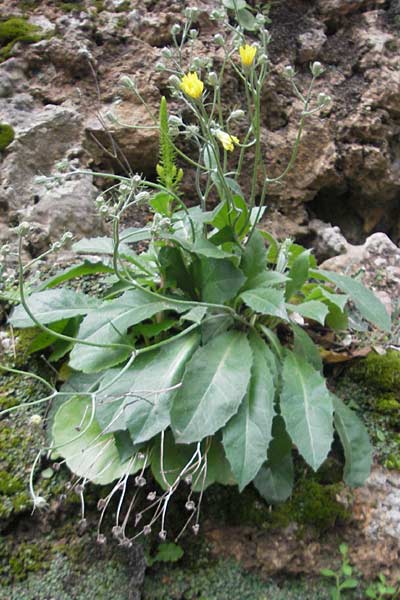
70 6
6 136
17 29
379 372
388 404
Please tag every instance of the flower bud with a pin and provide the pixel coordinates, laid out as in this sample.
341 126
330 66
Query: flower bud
128 83
219 39
166 52
193 34
237 114
289 72
263 59
160 67
23 228
323 99
317 69
174 81
5 250
142 197
191 12
260 19
36 420
175 121
175 29
146 530
212 78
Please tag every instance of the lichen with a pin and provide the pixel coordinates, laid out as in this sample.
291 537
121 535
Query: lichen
6 136
17 29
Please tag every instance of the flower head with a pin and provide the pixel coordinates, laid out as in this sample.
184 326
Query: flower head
228 141
247 54
192 85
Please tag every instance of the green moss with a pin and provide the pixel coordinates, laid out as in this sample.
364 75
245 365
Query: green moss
17 29
6 136
379 371
70 6
388 404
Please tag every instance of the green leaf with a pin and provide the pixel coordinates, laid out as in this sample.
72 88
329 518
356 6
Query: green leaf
234 4
124 445
99 245
246 19
356 444
214 384
216 324
53 305
254 260
349 584
142 398
266 301
247 435
87 452
209 157
132 235
86 268
62 347
304 346
109 324
266 278
161 203
274 481
306 407
235 214
219 280
327 573
370 307
44 339
150 330
298 273
177 456
174 267
312 309
347 570
168 552
195 315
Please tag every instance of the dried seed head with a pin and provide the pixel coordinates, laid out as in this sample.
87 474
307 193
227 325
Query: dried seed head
162 535
138 518
140 481
101 504
146 530
151 496
196 529
190 505
101 539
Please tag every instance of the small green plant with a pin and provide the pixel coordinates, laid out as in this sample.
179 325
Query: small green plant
381 589
197 361
343 577
6 136
17 29
167 552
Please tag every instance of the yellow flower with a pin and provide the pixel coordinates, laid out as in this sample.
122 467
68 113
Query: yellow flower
192 85
247 54
227 141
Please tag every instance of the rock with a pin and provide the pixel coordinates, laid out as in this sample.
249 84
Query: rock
372 534
67 205
42 138
310 45
328 241
379 259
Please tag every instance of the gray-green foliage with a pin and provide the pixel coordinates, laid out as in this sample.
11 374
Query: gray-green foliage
198 362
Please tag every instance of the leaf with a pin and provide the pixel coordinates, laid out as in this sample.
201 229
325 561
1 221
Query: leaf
167 552
266 301
247 435
177 456
219 280
214 384
44 339
234 4
246 19
142 400
233 214
254 260
274 481
312 309
53 305
62 347
327 573
356 444
108 325
124 445
370 307
86 268
306 407
132 235
304 346
98 245
161 203
349 584
216 324
298 273
195 315
150 330
87 452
